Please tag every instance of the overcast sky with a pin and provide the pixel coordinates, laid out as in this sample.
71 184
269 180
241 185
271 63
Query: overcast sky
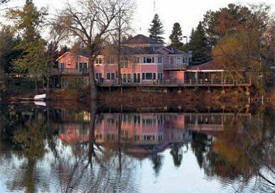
187 13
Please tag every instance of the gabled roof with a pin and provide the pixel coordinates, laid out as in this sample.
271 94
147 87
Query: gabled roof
79 53
141 39
174 51
210 65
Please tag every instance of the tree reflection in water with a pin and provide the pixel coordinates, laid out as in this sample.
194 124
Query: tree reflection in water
100 152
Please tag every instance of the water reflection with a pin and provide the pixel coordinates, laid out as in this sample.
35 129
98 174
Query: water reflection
46 149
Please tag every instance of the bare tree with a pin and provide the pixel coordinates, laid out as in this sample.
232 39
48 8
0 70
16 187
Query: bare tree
122 29
91 22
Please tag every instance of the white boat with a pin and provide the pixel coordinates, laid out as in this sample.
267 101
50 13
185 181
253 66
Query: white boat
39 97
40 103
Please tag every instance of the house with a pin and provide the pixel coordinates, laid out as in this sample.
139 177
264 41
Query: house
143 61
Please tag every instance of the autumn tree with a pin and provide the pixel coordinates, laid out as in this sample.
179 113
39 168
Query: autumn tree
244 49
156 29
91 22
28 21
233 18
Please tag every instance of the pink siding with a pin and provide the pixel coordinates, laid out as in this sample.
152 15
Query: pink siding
175 76
71 60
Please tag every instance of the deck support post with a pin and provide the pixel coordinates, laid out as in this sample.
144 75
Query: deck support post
196 76
247 93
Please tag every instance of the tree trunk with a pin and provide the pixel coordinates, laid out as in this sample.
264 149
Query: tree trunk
93 86
93 110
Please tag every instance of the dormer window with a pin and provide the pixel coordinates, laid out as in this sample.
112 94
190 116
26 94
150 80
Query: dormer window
124 62
148 60
98 61
183 60
136 60
171 60
160 59
179 60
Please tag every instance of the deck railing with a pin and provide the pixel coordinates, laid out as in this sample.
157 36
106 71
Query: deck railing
174 67
69 71
175 83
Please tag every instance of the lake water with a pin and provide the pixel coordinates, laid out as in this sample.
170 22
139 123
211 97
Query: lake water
65 149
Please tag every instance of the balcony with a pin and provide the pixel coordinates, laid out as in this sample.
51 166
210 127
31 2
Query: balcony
174 67
69 71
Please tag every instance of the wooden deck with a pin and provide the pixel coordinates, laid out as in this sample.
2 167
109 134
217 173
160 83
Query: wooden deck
182 85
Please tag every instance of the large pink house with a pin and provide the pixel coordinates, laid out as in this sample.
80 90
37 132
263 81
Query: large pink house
143 61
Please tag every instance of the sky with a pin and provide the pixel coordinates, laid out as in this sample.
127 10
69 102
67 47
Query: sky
187 13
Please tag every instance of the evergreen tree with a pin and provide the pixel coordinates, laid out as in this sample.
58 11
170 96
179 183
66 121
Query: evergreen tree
201 51
176 36
33 60
156 29
8 48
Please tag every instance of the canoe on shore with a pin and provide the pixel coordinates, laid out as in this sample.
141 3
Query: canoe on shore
39 97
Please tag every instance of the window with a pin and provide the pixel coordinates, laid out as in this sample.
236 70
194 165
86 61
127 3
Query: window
148 59
62 65
83 67
160 59
129 77
108 76
98 76
179 60
136 78
171 60
124 62
124 77
160 76
112 76
110 60
148 76
98 61
136 59
183 60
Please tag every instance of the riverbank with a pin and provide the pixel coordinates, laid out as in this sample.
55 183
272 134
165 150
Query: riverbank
143 98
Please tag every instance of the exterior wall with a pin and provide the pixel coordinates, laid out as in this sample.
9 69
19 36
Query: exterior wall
158 70
175 76
70 61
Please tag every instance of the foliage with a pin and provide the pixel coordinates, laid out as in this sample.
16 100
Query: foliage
176 36
235 19
231 19
239 53
156 29
199 46
76 83
27 22
8 48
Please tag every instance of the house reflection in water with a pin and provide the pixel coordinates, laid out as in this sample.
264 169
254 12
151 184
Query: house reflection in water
141 133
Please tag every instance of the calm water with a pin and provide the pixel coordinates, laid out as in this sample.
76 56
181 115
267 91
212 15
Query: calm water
57 149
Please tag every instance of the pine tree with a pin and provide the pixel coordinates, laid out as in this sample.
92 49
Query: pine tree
199 46
156 29
32 61
176 36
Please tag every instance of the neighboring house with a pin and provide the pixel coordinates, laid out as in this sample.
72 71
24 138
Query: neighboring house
143 61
